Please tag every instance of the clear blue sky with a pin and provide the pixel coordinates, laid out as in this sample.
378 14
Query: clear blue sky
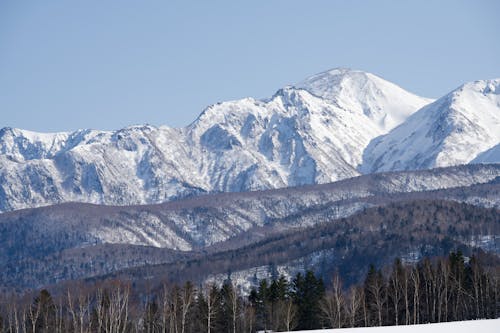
66 65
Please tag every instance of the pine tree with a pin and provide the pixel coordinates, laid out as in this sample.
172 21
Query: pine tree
42 313
308 291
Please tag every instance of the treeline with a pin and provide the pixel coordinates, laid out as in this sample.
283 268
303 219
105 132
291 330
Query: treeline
438 290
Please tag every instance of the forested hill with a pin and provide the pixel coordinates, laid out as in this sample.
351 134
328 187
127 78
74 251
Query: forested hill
74 240
349 245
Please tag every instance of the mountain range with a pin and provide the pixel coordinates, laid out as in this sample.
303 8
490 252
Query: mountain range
333 146
331 126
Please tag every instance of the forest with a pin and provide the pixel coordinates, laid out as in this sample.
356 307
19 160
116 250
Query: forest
437 289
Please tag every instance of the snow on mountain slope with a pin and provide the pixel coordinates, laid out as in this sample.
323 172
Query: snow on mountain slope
453 130
386 104
208 219
24 145
223 221
121 167
315 133
492 155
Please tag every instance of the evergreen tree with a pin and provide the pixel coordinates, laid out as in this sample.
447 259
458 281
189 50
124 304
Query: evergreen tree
260 300
307 292
42 313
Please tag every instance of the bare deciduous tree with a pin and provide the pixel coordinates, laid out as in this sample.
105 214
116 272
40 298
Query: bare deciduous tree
289 314
354 304
79 310
415 278
332 305
186 300
211 298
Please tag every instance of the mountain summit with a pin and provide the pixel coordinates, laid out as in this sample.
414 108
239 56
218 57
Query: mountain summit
453 130
383 102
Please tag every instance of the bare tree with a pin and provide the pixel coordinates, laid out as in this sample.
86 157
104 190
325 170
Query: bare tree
13 314
186 300
289 314
332 305
24 320
477 275
375 295
365 309
406 296
79 310
442 281
59 316
175 309
165 309
429 296
395 291
211 297
354 303
34 312
415 278
101 303
112 309
233 304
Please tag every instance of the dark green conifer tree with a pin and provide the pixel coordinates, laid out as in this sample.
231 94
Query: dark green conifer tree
307 292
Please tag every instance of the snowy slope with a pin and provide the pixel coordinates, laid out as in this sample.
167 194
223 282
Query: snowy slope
490 156
33 240
386 104
313 133
206 220
452 130
483 326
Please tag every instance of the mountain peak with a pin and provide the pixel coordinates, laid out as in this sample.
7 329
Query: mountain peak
329 82
491 86
453 130
385 103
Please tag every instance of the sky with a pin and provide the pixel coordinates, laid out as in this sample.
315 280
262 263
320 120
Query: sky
67 65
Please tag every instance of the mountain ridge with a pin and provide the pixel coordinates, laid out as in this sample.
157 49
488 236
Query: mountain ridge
454 129
293 138
323 129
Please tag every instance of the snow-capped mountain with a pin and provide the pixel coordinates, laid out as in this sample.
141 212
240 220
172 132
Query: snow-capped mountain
453 130
314 132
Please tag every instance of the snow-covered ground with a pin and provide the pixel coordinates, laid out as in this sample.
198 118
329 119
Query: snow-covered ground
476 326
